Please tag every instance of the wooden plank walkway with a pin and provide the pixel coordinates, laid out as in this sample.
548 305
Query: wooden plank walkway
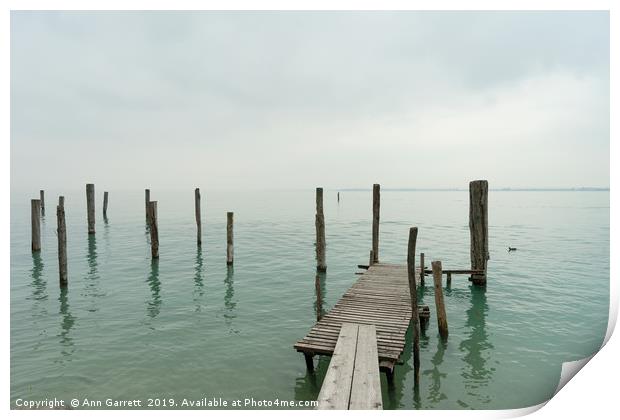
380 297
352 379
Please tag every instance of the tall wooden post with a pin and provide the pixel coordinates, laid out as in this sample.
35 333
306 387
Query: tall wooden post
415 316
319 223
147 200
152 218
442 320
229 238
35 219
105 204
90 207
376 202
42 196
422 268
62 242
371 258
479 229
319 298
198 222
339 196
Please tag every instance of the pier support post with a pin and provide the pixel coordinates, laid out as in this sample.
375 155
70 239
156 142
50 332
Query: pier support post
35 219
422 268
90 207
442 320
319 222
479 229
152 218
198 221
147 200
309 362
376 203
319 298
371 258
62 242
229 238
448 279
415 316
42 197
105 204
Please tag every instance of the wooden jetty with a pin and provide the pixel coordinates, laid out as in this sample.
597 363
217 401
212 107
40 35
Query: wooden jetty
352 380
380 297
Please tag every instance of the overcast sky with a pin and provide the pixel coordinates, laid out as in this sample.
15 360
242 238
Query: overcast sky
302 99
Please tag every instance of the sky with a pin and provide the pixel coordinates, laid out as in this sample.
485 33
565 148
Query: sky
294 100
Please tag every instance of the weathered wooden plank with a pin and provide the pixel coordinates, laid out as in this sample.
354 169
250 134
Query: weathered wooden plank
366 386
336 389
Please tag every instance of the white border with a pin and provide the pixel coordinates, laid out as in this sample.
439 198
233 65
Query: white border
592 393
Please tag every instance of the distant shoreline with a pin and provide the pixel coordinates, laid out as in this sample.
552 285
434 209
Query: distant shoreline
577 189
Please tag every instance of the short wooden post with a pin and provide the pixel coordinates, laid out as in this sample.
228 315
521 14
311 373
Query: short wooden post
415 316
319 297
422 268
62 242
198 222
105 204
35 219
479 229
90 207
42 196
371 258
147 200
376 202
339 196
442 320
319 223
448 279
229 238
152 218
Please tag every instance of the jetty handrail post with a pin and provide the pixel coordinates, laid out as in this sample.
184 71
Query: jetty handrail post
147 200
62 242
198 221
105 204
90 207
442 320
152 218
35 219
319 298
479 229
319 222
376 203
422 268
415 316
229 238
42 196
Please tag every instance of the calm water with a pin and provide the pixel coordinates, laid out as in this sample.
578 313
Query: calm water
186 327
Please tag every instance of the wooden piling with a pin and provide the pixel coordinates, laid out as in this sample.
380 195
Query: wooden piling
62 242
90 207
371 258
35 219
105 204
415 317
442 320
339 196
147 200
229 238
321 265
448 279
198 221
42 196
319 298
376 202
152 218
479 229
422 268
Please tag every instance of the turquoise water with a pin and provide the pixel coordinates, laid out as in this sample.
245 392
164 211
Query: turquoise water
187 327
